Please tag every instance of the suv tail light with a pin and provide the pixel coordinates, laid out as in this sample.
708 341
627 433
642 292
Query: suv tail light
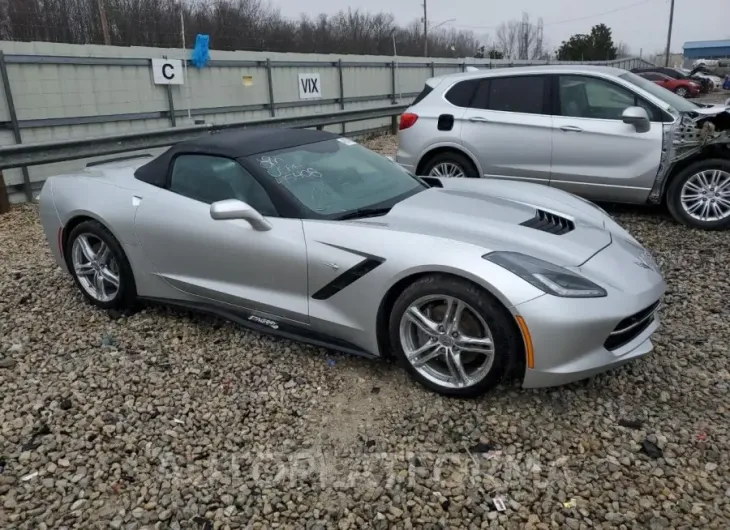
407 119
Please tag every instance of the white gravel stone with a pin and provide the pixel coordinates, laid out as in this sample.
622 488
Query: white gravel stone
185 421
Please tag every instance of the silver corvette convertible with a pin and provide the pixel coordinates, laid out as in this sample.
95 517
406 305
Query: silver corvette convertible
310 236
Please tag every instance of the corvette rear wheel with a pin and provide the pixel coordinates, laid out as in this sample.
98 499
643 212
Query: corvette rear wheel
452 336
99 267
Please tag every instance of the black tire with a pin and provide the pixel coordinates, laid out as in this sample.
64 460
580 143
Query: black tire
674 192
507 339
681 91
451 157
126 295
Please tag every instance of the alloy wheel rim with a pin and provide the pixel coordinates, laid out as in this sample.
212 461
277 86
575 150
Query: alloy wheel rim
682 92
447 169
447 341
95 267
706 195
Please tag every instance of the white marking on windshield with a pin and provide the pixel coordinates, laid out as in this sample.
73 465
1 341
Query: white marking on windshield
286 173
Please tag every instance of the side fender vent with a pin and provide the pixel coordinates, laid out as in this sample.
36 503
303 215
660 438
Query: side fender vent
550 222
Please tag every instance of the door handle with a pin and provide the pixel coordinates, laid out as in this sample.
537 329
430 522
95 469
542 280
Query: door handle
478 119
571 128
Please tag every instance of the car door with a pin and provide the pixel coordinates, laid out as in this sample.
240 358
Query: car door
226 262
595 154
508 128
664 81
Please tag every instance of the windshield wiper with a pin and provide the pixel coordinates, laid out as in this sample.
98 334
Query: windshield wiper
364 212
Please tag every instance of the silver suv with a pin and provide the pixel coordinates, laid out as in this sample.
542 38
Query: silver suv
602 133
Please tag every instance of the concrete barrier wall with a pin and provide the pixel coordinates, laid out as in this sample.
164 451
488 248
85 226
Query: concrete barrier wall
62 91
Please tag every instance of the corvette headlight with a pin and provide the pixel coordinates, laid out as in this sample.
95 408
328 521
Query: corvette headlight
545 276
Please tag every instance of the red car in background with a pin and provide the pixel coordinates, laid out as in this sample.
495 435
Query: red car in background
681 87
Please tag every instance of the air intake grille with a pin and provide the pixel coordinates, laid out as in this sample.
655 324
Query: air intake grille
630 328
549 222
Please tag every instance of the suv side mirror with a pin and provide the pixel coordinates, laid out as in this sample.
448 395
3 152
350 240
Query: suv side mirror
637 117
235 209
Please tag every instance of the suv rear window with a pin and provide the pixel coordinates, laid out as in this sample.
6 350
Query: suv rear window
514 94
425 92
462 93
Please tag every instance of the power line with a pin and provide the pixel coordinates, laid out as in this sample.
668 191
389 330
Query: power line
615 10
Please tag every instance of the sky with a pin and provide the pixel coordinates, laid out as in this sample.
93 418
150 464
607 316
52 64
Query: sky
641 24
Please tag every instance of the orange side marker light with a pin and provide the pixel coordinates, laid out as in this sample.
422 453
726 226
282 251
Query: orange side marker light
529 351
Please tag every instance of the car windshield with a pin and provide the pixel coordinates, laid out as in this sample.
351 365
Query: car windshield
338 177
670 98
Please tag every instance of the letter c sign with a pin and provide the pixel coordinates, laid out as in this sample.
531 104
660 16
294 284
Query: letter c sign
167 71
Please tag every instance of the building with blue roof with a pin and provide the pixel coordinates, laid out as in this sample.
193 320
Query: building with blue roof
707 49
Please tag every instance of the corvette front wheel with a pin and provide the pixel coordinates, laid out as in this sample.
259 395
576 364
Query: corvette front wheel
99 267
452 336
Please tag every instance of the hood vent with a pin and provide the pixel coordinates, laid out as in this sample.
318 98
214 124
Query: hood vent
550 222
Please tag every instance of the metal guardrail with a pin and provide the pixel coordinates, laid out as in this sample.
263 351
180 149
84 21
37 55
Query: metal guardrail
23 155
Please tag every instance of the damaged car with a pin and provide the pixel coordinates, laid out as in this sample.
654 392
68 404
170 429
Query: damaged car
602 133
703 84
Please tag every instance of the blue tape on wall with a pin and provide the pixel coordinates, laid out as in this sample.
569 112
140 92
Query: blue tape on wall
201 56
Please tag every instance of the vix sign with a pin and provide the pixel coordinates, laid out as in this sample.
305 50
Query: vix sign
310 86
167 71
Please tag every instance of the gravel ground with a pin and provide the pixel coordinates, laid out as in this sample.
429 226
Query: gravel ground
166 419
715 97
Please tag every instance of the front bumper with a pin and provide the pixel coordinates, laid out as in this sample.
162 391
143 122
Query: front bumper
574 339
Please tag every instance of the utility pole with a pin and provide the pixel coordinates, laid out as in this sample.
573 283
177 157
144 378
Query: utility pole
525 53
425 29
104 22
669 34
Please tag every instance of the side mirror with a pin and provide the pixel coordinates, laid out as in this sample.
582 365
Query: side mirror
235 209
637 117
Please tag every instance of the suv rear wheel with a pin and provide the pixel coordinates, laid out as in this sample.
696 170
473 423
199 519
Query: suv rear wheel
699 195
450 164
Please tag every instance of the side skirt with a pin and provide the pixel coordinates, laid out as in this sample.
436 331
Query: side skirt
268 326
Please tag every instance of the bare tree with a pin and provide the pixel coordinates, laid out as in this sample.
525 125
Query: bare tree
4 20
521 39
622 50
506 38
231 24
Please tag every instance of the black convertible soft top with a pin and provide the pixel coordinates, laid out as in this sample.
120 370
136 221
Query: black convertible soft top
230 144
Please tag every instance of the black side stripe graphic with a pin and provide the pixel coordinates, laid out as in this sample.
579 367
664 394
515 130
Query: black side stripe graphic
350 275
